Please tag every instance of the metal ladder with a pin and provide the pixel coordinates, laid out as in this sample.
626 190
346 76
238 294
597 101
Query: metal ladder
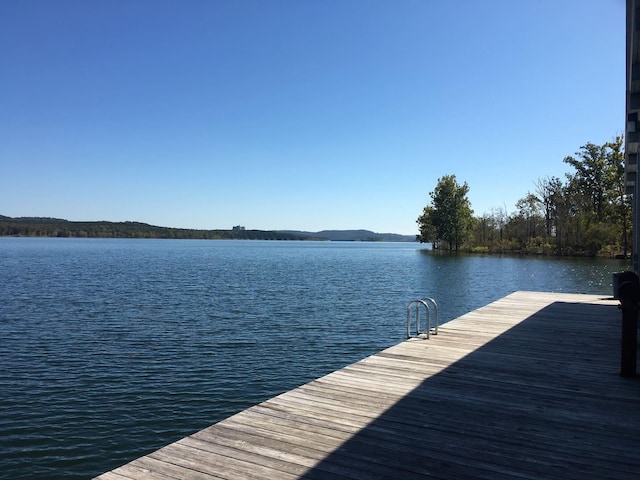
430 330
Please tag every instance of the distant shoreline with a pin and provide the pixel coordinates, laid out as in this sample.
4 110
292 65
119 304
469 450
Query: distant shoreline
55 227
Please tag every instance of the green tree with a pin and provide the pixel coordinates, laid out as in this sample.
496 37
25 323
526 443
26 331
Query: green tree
602 210
548 192
426 226
593 179
529 210
449 217
620 200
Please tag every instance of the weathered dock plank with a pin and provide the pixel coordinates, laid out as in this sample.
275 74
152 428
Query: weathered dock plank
524 388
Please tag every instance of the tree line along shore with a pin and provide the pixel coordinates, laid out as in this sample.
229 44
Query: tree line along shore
55 227
588 213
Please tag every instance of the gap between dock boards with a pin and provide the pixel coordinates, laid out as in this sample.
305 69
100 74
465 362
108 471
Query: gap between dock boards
526 387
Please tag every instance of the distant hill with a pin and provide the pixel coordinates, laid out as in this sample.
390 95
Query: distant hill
356 236
56 227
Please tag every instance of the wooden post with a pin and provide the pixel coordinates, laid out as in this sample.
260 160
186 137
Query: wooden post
629 294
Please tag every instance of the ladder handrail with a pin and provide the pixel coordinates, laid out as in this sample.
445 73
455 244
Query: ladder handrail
436 320
417 303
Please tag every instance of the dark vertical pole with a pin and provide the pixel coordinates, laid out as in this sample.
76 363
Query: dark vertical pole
631 144
629 294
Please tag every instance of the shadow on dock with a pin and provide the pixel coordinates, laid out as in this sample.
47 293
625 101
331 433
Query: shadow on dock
542 400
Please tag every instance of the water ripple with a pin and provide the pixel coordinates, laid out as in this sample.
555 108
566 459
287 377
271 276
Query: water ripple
113 348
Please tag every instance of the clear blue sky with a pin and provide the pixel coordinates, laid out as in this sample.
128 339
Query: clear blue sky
308 115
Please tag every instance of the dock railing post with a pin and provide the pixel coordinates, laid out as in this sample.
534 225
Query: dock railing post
629 295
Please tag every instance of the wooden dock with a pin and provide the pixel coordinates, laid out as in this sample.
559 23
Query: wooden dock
527 387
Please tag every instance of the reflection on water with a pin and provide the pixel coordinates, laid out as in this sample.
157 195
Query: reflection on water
485 278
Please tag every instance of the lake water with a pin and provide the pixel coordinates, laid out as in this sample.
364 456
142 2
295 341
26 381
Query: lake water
112 348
